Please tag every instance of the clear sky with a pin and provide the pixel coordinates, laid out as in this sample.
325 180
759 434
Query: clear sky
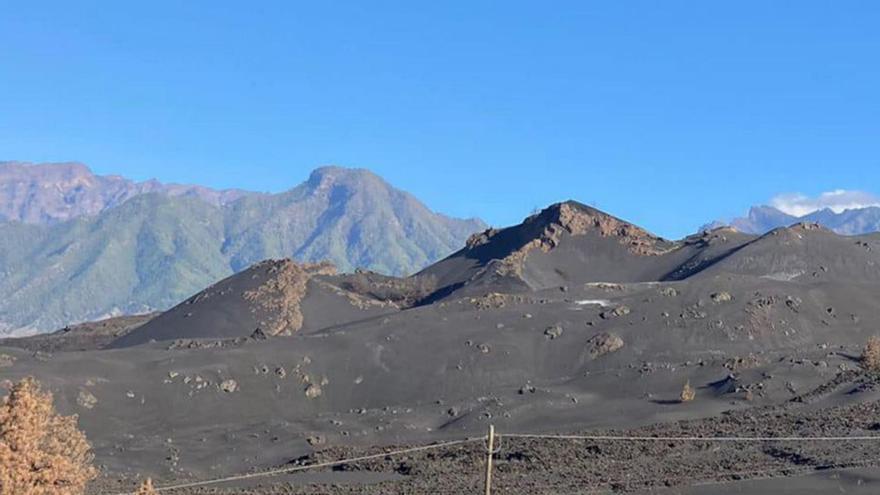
669 114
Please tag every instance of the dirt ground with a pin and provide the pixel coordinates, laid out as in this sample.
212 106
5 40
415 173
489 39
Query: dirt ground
572 465
552 327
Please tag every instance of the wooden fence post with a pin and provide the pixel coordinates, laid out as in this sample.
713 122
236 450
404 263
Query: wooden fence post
489 453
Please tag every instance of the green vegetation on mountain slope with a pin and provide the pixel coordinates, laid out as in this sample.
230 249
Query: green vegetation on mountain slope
155 250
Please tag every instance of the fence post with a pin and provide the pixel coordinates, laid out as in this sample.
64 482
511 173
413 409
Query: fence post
491 444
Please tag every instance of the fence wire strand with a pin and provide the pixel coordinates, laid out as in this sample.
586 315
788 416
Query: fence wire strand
624 438
318 465
745 475
606 485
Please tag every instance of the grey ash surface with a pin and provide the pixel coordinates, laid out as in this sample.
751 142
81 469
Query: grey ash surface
574 322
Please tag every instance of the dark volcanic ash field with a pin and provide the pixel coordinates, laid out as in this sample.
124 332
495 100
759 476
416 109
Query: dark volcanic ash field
573 322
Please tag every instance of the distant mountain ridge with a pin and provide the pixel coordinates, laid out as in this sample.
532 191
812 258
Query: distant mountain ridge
762 219
87 253
54 192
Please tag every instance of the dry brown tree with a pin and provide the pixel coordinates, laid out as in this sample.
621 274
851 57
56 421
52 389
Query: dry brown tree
687 393
871 354
41 452
146 488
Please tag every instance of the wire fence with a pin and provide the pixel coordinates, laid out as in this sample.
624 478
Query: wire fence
623 438
752 474
636 467
317 465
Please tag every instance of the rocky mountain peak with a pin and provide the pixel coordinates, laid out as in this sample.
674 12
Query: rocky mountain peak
333 175
579 219
46 193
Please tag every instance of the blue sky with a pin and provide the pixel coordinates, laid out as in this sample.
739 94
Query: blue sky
669 114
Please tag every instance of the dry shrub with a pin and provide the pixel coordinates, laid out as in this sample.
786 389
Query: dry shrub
41 452
403 292
146 488
871 354
687 393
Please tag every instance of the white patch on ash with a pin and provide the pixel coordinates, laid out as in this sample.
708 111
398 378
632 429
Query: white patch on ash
594 302
784 276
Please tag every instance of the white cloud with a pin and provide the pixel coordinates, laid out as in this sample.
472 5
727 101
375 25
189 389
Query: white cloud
838 200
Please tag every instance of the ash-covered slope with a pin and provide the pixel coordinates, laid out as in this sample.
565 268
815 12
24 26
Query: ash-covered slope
805 252
87 336
568 245
571 243
366 359
271 298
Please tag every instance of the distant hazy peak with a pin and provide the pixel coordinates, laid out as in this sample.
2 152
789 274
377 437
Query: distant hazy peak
41 193
763 219
13 166
335 173
327 177
67 173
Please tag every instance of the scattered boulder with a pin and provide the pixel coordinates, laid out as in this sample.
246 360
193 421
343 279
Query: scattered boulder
229 386
763 302
553 332
721 297
496 300
316 440
480 238
528 388
737 363
313 391
614 313
606 286
604 343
